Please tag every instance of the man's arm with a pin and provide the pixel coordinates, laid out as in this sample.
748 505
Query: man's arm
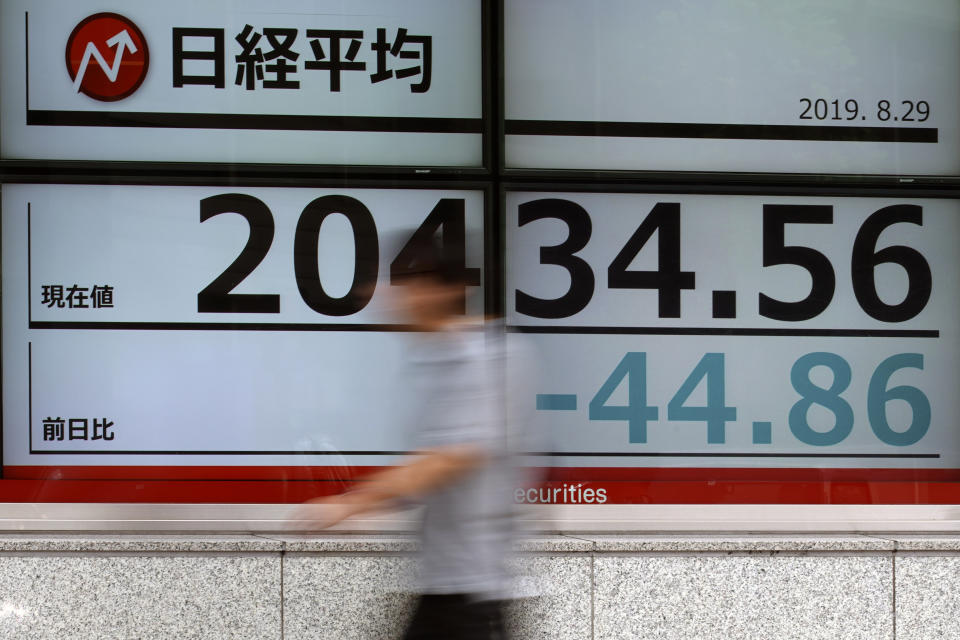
431 469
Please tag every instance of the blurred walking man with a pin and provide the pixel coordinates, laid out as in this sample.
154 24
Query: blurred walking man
462 472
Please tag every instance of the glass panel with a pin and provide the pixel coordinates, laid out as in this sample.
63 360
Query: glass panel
810 86
739 348
224 334
240 81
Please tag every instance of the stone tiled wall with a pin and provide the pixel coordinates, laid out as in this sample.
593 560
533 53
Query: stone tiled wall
574 586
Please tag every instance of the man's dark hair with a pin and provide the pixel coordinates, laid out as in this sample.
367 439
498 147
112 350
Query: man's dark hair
427 259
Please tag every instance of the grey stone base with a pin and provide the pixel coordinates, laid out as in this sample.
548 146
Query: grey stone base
577 587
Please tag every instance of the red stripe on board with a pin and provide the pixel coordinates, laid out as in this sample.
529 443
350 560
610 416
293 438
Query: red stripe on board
617 492
342 474
775 492
646 485
165 491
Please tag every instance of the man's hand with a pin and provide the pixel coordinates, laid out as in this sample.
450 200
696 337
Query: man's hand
322 513
429 470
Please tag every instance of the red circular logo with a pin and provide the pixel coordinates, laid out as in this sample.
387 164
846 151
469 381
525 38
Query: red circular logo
107 57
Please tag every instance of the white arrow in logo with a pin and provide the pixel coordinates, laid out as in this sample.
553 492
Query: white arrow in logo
122 41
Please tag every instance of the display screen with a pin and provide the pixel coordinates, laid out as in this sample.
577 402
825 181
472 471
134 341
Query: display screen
186 326
786 87
779 328
293 81
797 335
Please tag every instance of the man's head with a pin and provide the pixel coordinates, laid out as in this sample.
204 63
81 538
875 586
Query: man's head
430 289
